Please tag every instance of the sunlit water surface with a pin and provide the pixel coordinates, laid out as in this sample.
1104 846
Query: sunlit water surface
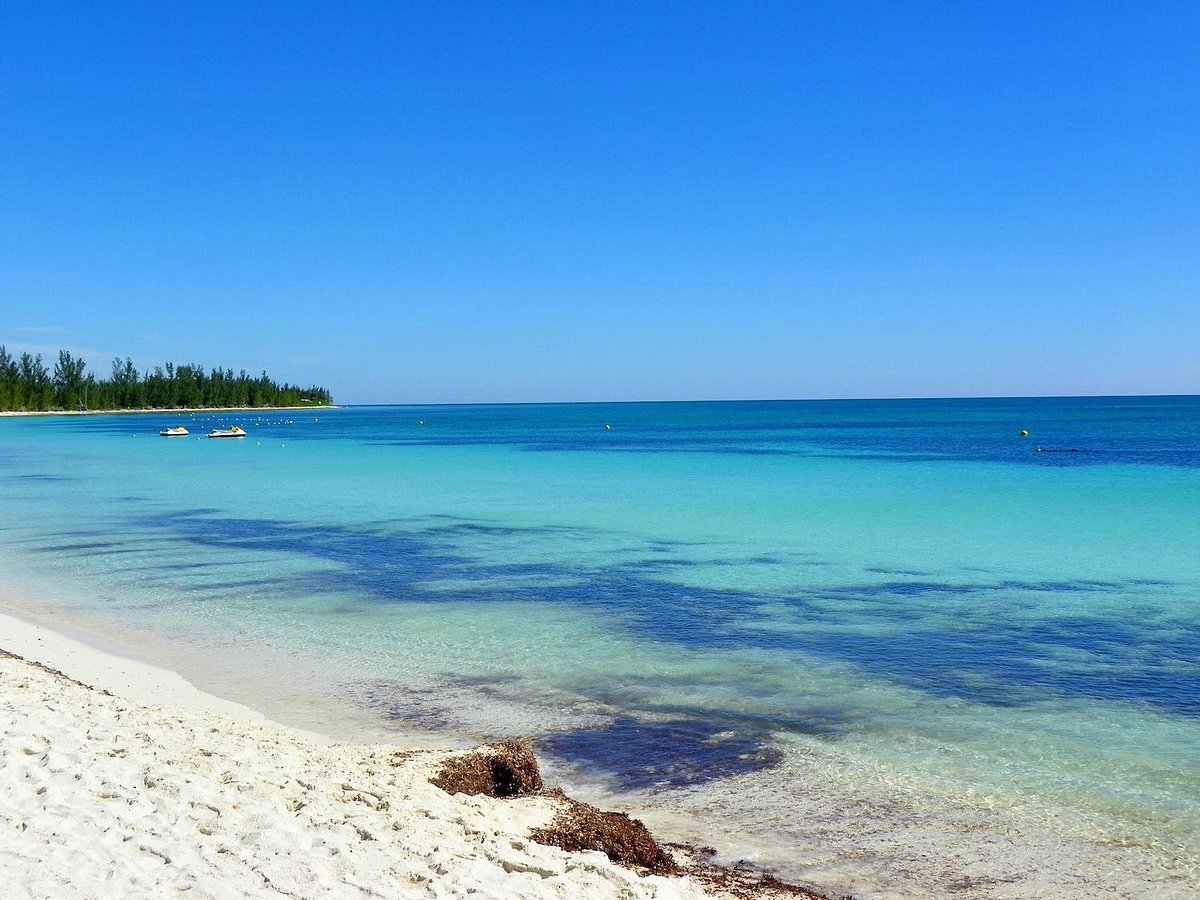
839 638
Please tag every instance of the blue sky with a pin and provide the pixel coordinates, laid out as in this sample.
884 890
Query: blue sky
459 202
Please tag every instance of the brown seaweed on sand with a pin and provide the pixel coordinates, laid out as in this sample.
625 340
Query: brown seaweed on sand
622 839
510 769
504 770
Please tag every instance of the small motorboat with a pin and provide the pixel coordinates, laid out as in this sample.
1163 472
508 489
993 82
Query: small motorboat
177 431
235 431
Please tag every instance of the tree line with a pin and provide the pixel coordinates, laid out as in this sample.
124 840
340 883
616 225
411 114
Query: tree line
27 385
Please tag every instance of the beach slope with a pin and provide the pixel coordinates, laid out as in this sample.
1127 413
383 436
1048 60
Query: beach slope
111 797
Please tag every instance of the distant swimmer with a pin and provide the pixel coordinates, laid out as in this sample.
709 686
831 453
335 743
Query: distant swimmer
1024 433
420 421
608 428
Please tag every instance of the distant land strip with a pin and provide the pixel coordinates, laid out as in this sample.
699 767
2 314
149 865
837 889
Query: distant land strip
26 385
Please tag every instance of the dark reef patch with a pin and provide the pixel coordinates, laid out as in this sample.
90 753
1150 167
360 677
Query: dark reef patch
896 629
1016 665
82 547
643 754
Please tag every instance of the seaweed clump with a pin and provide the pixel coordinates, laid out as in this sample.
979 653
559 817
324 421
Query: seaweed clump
622 839
505 770
510 769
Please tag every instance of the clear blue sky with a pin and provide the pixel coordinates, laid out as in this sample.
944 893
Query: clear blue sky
411 202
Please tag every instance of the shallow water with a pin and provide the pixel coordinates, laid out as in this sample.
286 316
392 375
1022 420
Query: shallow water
703 610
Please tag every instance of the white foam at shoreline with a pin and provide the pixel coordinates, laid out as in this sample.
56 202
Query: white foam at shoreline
110 796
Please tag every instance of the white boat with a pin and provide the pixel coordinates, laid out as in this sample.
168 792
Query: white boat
235 431
177 431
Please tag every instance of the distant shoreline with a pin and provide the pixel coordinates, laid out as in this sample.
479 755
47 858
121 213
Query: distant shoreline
143 412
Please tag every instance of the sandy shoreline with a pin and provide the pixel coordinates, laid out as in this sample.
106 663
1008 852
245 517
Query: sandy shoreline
66 746
120 778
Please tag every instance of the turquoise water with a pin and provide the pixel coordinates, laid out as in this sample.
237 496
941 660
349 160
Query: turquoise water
702 594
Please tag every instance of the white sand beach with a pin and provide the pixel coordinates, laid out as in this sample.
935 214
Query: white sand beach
120 780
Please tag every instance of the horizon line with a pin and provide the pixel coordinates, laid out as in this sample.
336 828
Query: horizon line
775 400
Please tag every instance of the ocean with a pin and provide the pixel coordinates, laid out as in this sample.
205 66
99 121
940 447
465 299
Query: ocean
874 646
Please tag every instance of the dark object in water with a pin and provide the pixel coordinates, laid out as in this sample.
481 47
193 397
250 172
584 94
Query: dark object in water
622 839
642 754
505 770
